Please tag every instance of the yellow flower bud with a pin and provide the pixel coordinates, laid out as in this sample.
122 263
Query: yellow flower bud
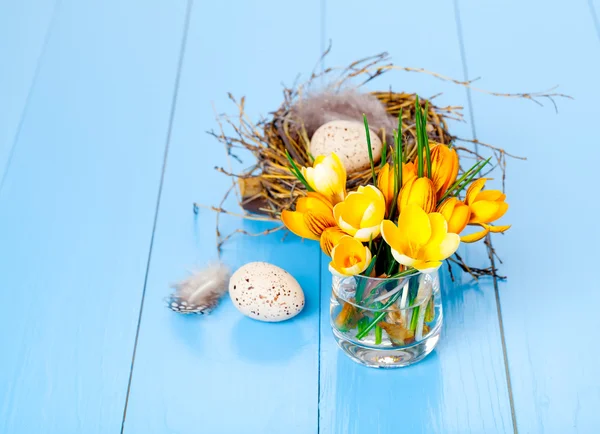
385 180
385 183
418 191
444 168
328 177
486 206
456 213
409 171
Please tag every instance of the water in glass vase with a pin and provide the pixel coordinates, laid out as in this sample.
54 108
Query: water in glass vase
386 323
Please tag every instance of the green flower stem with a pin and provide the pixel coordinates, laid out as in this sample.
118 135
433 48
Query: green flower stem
378 335
426 141
398 157
421 321
383 153
414 318
430 312
419 138
379 316
464 180
362 323
382 312
360 287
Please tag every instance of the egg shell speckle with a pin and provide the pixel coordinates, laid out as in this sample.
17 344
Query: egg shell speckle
265 292
349 141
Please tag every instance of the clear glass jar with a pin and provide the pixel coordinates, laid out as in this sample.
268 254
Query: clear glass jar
386 323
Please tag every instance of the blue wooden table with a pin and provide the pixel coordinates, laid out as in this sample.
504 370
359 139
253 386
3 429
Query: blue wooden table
104 108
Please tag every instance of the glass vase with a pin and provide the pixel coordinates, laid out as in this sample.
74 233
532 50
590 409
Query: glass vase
386 323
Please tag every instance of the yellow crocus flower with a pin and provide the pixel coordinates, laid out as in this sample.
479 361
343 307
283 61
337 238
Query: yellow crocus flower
349 257
444 168
456 213
328 177
360 215
385 179
313 215
420 240
486 207
331 238
418 191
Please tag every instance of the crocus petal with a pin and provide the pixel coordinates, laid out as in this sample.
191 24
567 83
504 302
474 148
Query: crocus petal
439 228
375 212
317 223
353 208
330 238
493 195
393 236
350 257
294 221
485 211
447 207
366 234
418 191
348 228
440 250
328 177
369 216
501 211
371 192
460 218
335 271
415 226
385 183
449 245
427 267
444 167
476 236
499 229
409 171
474 190
402 259
362 209
315 202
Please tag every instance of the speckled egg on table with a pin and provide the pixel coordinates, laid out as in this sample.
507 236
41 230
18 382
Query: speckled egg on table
265 292
348 140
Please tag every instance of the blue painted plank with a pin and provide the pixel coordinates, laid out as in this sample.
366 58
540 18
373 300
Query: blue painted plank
550 297
225 373
462 386
24 28
76 214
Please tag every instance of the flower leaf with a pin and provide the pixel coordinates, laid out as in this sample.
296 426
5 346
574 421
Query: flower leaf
297 173
370 150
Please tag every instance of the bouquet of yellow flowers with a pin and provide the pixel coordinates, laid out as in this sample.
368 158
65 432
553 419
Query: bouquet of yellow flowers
388 238
407 221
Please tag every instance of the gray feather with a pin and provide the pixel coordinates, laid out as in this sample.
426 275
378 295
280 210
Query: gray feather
201 292
316 109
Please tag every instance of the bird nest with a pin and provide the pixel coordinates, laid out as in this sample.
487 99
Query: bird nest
268 186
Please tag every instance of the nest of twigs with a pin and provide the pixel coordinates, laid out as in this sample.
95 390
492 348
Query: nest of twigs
268 186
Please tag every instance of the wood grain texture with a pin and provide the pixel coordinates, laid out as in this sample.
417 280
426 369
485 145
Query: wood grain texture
76 215
224 373
461 387
549 300
24 28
